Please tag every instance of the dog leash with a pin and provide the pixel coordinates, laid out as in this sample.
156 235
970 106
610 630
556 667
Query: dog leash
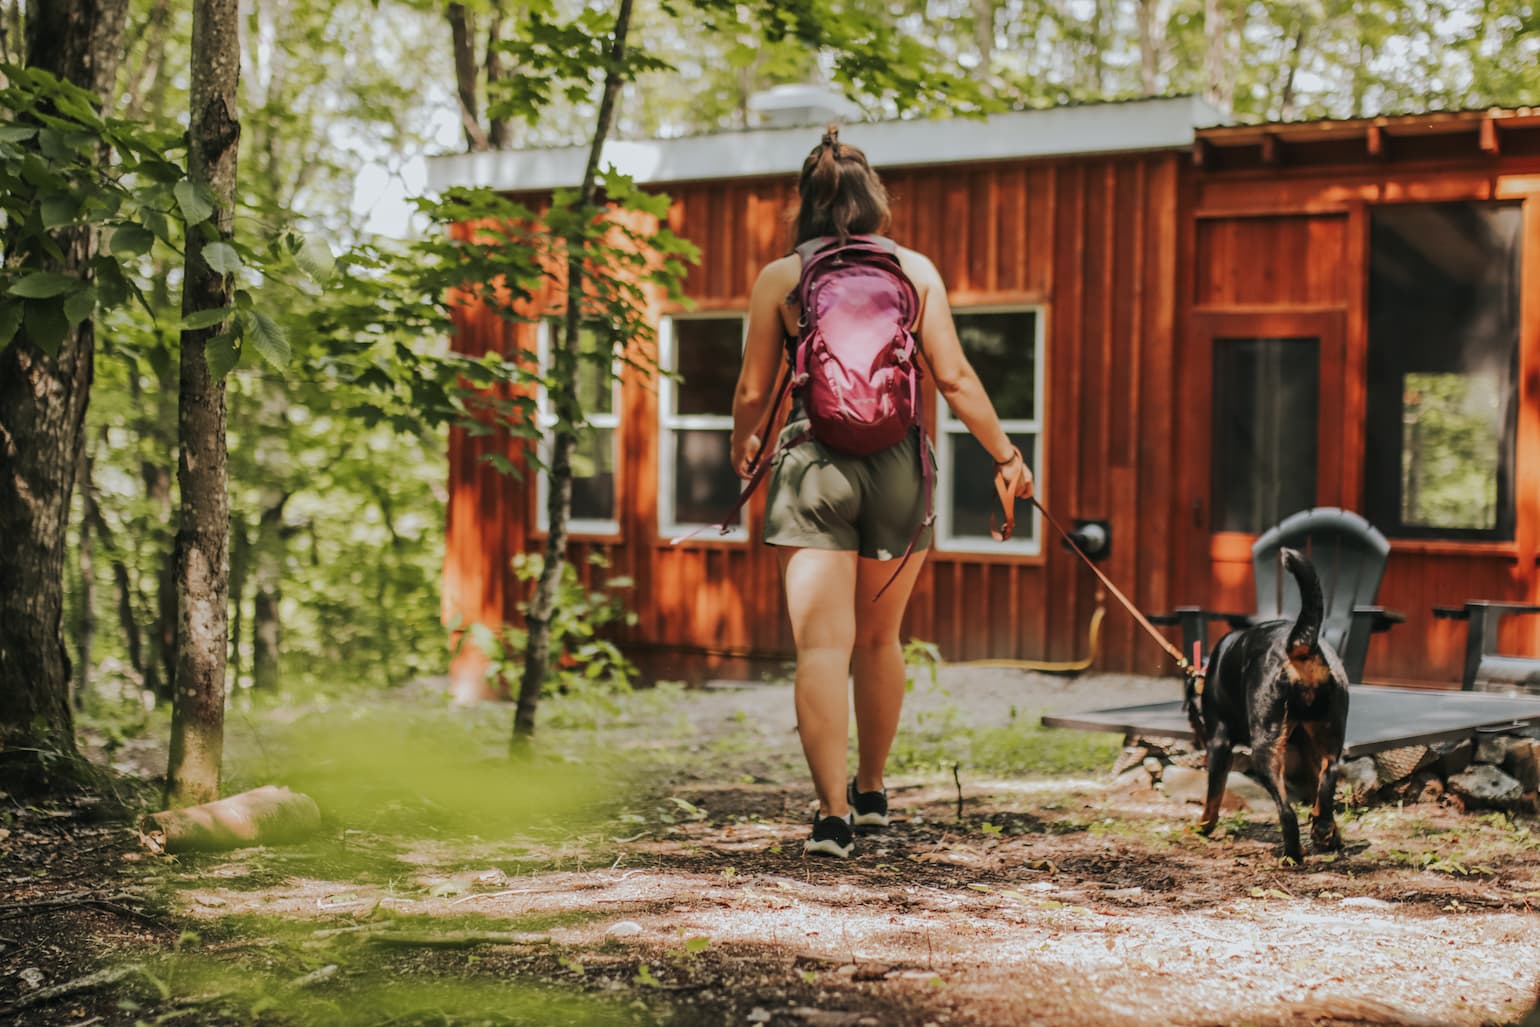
1191 668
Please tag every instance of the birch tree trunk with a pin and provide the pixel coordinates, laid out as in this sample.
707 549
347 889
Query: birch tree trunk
203 537
42 416
537 649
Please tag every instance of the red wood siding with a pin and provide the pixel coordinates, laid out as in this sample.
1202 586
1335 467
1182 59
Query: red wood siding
1092 241
1280 241
1133 260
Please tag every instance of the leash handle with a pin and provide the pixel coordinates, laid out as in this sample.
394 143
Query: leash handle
1171 650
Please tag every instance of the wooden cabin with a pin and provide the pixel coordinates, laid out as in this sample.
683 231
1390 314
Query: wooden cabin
1191 332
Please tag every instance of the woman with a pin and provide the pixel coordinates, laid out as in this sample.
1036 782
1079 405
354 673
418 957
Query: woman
839 519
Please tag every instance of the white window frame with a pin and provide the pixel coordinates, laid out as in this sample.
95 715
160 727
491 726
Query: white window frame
947 426
546 419
669 423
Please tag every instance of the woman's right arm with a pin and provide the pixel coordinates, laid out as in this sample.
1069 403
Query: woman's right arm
956 380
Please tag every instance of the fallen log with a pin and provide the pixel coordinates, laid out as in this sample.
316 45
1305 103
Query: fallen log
269 815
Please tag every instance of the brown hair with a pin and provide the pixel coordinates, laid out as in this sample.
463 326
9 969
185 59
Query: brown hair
841 194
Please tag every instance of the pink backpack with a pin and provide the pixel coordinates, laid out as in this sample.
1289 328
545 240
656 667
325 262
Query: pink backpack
853 360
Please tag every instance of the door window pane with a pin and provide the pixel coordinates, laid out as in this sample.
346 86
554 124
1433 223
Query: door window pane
971 499
1001 346
1265 409
1443 356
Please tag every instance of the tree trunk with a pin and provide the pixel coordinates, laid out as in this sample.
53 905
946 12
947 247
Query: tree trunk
120 577
1286 107
267 586
1152 31
984 33
85 601
240 564
537 649
1218 73
498 134
203 537
42 413
462 31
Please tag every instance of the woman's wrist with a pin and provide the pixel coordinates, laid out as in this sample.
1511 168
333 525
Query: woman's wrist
1015 455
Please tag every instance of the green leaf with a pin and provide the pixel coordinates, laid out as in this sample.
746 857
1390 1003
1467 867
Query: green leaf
269 339
46 326
205 318
40 285
58 209
130 241
81 305
10 320
194 201
16 133
315 258
222 354
221 256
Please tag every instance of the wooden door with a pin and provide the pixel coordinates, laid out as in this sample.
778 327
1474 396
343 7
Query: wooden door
1264 419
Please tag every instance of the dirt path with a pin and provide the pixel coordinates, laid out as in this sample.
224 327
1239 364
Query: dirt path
1051 899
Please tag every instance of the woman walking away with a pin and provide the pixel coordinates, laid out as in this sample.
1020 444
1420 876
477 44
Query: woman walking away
850 492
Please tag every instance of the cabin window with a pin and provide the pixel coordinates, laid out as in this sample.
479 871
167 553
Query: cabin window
1265 414
695 402
594 459
1005 347
1441 413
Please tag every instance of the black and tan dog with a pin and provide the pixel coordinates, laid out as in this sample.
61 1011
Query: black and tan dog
1269 686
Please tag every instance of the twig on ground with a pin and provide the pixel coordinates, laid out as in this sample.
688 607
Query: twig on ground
495 894
314 977
90 982
455 940
958 780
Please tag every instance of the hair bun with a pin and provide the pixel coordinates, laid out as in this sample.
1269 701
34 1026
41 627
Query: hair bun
831 138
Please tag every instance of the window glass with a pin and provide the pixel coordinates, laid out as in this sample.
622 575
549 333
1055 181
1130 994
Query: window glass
707 354
595 456
1443 356
1005 347
1265 414
697 485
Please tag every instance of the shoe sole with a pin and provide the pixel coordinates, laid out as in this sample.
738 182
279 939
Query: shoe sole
871 820
826 847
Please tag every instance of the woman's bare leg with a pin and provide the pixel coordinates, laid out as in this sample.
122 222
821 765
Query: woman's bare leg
878 662
820 595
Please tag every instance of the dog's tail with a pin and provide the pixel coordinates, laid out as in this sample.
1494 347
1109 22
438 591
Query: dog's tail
1305 636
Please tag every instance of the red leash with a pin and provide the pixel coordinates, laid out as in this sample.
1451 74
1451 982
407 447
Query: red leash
1192 669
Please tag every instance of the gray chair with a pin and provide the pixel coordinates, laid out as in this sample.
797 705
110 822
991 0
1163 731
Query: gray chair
1486 669
1349 555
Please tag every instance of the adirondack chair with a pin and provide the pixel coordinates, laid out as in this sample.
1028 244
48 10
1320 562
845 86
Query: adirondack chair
1487 669
1349 555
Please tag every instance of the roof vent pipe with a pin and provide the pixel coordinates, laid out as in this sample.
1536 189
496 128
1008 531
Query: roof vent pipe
799 106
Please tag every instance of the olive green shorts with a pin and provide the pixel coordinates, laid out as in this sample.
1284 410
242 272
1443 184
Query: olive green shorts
872 504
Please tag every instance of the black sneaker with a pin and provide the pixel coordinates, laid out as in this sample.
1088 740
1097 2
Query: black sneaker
869 809
832 836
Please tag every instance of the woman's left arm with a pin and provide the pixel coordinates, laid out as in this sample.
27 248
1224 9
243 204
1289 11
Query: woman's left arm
762 355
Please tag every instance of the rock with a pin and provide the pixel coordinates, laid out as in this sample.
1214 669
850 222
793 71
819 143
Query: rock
1131 756
1491 748
759 1014
624 929
1153 767
1398 764
1135 779
1184 783
1430 789
31 978
1188 785
1522 763
825 1017
1361 776
1485 785
1250 794
1453 757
